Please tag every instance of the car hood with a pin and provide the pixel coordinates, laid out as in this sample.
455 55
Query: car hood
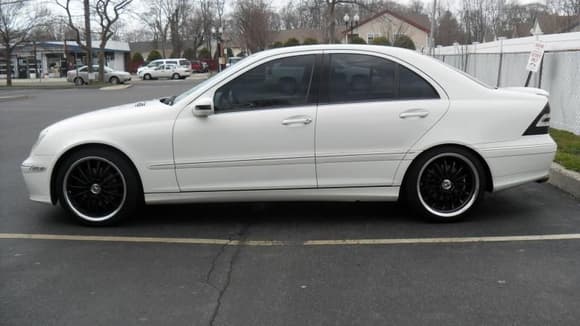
112 117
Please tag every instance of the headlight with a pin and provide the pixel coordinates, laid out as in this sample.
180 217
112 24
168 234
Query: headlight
40 137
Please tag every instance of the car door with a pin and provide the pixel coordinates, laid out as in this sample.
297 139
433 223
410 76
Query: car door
159 71
372 110
261 135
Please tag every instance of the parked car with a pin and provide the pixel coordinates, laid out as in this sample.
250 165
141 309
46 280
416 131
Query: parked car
165 71
111 76
199 66
178 62
232 61
326 122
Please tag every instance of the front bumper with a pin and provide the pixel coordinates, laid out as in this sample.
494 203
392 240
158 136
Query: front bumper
36 172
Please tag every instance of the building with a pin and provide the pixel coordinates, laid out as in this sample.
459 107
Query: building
54 58
300 34
391 24
548 24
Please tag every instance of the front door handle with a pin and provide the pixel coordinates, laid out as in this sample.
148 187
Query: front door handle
297 120
414 113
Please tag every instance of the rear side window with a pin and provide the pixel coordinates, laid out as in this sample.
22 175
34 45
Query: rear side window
184 62
358 77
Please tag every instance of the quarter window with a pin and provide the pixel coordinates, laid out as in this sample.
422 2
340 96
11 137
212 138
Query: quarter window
278 83
412 86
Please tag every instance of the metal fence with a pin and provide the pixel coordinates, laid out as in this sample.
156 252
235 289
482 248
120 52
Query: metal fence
559 74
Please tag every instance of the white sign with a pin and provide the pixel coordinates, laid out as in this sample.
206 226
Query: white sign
535 57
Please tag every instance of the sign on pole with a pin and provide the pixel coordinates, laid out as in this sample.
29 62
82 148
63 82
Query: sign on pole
535 57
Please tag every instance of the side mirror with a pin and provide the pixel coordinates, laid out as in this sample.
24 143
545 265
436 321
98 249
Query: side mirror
203 107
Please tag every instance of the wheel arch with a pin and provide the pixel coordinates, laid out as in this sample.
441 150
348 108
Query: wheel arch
487 170
74 149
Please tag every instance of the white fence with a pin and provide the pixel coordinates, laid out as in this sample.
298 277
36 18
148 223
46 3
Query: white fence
502 63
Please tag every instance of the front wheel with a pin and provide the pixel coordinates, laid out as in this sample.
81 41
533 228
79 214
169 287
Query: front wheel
114 80
98 187
445 184
147 77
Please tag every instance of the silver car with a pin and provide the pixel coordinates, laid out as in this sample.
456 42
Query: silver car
111 76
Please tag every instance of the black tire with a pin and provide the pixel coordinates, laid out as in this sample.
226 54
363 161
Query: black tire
445 184
147 77
175 76
98 187
114 80
79 81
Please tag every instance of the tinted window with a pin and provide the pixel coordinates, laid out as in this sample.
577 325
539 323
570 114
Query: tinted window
355 77
184 63
412 86
278 83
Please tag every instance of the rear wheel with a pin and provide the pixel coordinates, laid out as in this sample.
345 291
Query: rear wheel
445 184
98 187
175 76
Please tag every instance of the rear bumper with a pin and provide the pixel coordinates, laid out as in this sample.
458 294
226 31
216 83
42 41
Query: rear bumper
518 162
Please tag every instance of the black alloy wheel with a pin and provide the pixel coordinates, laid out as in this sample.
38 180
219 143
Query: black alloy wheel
445 184
98 187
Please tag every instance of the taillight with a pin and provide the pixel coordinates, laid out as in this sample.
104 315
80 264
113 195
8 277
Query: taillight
541 123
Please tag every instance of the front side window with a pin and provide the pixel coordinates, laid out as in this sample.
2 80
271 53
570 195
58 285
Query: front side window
279 83
154 64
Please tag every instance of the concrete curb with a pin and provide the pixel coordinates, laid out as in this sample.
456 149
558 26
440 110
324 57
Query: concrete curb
566 180
115 87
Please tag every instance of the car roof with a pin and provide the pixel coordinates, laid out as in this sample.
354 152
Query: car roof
454 83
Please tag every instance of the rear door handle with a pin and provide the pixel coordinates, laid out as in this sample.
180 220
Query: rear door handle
297 120
414 113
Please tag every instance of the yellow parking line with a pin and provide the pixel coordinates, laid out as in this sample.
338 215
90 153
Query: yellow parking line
271 243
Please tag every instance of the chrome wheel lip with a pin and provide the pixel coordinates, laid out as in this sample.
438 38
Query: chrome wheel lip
74 209
467 204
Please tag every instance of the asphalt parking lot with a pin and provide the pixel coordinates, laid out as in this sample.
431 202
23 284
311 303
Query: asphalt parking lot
516 261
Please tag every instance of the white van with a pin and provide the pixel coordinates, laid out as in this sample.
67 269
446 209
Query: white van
178 62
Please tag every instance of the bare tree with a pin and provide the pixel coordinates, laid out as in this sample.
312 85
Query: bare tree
252 20
157 19
86 45
17 21
108 13
193 29
207 20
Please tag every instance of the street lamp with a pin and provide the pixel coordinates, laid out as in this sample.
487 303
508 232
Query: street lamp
352 22
217 33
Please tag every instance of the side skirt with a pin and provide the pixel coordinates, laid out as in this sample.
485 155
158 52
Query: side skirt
311 194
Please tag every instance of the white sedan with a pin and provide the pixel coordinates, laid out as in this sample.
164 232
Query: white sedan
165 71
323 122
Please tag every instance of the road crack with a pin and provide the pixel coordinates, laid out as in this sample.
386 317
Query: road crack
241 235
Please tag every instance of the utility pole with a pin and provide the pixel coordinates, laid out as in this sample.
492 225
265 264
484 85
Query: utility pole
88 37
432 32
